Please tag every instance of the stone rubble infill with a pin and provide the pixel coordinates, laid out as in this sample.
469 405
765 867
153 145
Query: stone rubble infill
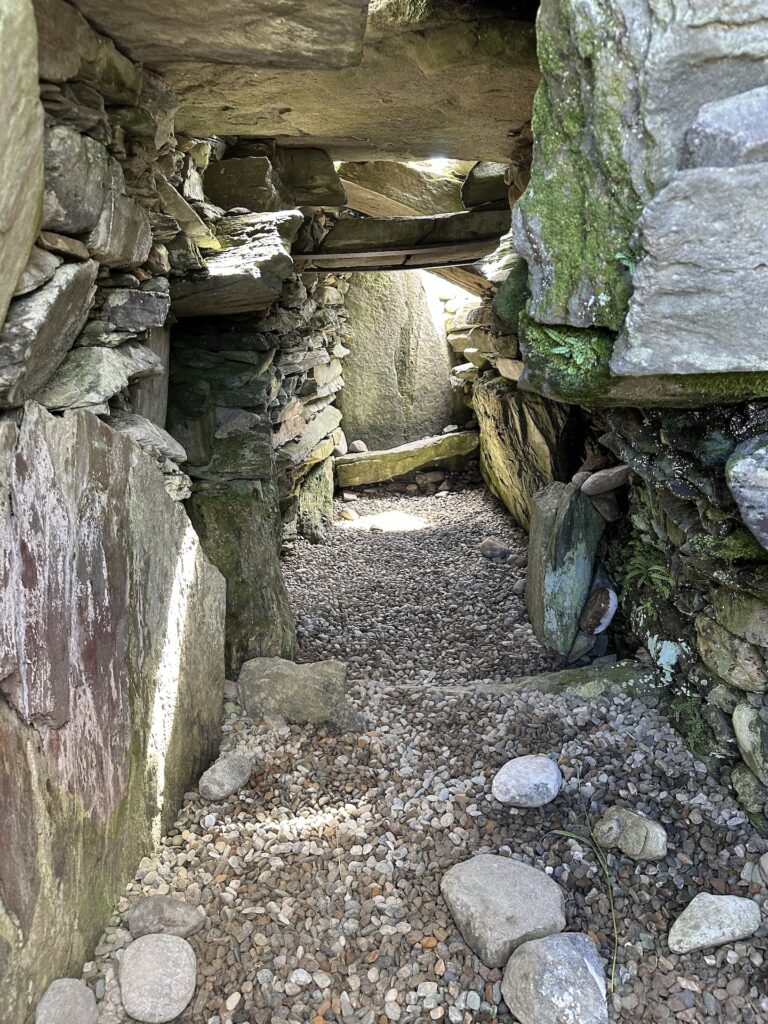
329 862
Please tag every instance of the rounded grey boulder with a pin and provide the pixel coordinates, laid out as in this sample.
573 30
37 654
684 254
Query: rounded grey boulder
556 980
167 915
67 999
635 834
530 781
710 920
227 775
157 978
499 903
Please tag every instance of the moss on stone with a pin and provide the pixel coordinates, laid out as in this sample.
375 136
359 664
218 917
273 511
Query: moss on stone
512 296
574 360
740 545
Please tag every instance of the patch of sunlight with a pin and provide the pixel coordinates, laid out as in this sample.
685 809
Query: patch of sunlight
169 668
392 521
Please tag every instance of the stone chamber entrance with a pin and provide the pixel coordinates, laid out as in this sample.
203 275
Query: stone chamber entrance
383 504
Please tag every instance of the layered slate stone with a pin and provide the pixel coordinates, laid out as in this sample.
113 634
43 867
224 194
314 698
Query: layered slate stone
698 304
89 377
21 145
282 34
41 328
244 181
245 276
447 451
565 530
371 243
78 173
386 188
525 443
396 376
112 680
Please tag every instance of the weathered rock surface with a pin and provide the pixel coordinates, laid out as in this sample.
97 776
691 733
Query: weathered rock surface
605 480
746 474
129 309
737 662
165 914
246 181
314 693
484 184
635 834
310 176
712 921
752 736
21 146
607 158
122 236
559 979
284 35
525 443
396 376
385 188
78 172
743 614
239 529
114 695
315 509
41 328
88 377
700 283
499 903
41 266
227 775
153 440
494 550
158 974
565 530
529 781
730 131
67 999
447 451
248 275
410 59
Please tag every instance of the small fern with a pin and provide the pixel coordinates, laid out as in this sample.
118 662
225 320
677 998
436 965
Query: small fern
646 568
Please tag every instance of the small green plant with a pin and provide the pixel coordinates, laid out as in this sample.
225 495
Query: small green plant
646 568
629 261
590 841
685 713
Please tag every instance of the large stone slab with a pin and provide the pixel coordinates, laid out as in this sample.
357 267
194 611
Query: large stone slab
559 979
699 301
396 376
499 903
240 530
122 236
730 131
565 530
21 145
314 693
525 443
247 181
41 328
112 683
247 275
403 100
446 451
310 176
278 34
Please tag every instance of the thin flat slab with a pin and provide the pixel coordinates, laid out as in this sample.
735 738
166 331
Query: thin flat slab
447 451
255 33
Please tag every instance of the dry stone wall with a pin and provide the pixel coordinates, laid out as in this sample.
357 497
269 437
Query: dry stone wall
642 296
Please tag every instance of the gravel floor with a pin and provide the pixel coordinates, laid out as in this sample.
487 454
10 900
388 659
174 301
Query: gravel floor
320 883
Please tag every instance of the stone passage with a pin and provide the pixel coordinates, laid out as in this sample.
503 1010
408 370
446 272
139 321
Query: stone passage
319 878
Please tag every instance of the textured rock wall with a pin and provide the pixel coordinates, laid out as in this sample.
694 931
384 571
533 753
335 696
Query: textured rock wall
111 674
398 368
